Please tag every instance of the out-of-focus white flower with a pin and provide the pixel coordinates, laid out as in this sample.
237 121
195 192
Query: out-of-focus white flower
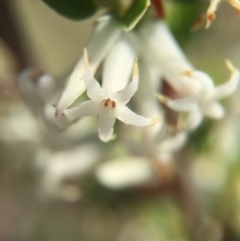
206 101
109 105
125 172
162 51
39 90
18 125
210 15
135 170
170 145
64 165
105 35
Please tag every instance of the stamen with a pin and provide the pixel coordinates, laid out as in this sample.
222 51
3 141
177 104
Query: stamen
210 15
187 73
106 102
86 63
135 69
230 66
162 98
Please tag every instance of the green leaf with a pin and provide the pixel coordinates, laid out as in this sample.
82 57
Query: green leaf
73 9
135 14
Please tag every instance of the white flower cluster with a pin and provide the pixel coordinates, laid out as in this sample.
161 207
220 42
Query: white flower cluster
134 66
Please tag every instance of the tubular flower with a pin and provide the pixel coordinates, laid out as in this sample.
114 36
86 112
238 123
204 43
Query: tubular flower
210 15
206 101
167 56
109 105
105 35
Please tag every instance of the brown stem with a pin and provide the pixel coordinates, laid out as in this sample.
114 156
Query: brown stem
10 35
158 6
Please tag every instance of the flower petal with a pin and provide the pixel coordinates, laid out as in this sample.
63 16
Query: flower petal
230 86
94 90
117 66
27 83
124 114
46 86
164 52
194 119
173 143
125 172
213 110
106 33
207 84
182 105
124 96
106 122
86 108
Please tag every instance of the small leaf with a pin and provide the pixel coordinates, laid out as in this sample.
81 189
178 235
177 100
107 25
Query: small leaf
135 13
73 9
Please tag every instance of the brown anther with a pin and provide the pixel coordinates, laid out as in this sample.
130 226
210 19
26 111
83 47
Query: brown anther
211 16
106 102
109 101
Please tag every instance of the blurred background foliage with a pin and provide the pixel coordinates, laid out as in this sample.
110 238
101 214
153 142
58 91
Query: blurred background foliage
208 208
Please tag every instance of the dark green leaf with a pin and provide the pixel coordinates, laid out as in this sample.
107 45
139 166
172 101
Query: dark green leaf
135 13
73 9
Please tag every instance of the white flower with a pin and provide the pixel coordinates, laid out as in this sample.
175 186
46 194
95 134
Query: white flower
125 172
37 87
66 164
105 35
109 105
162 51
206 101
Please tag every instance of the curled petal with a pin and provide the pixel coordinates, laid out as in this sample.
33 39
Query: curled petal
182 105
206 83
86 108
124 114
213 110
230 86
106 122
194 119
124 96
106 33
